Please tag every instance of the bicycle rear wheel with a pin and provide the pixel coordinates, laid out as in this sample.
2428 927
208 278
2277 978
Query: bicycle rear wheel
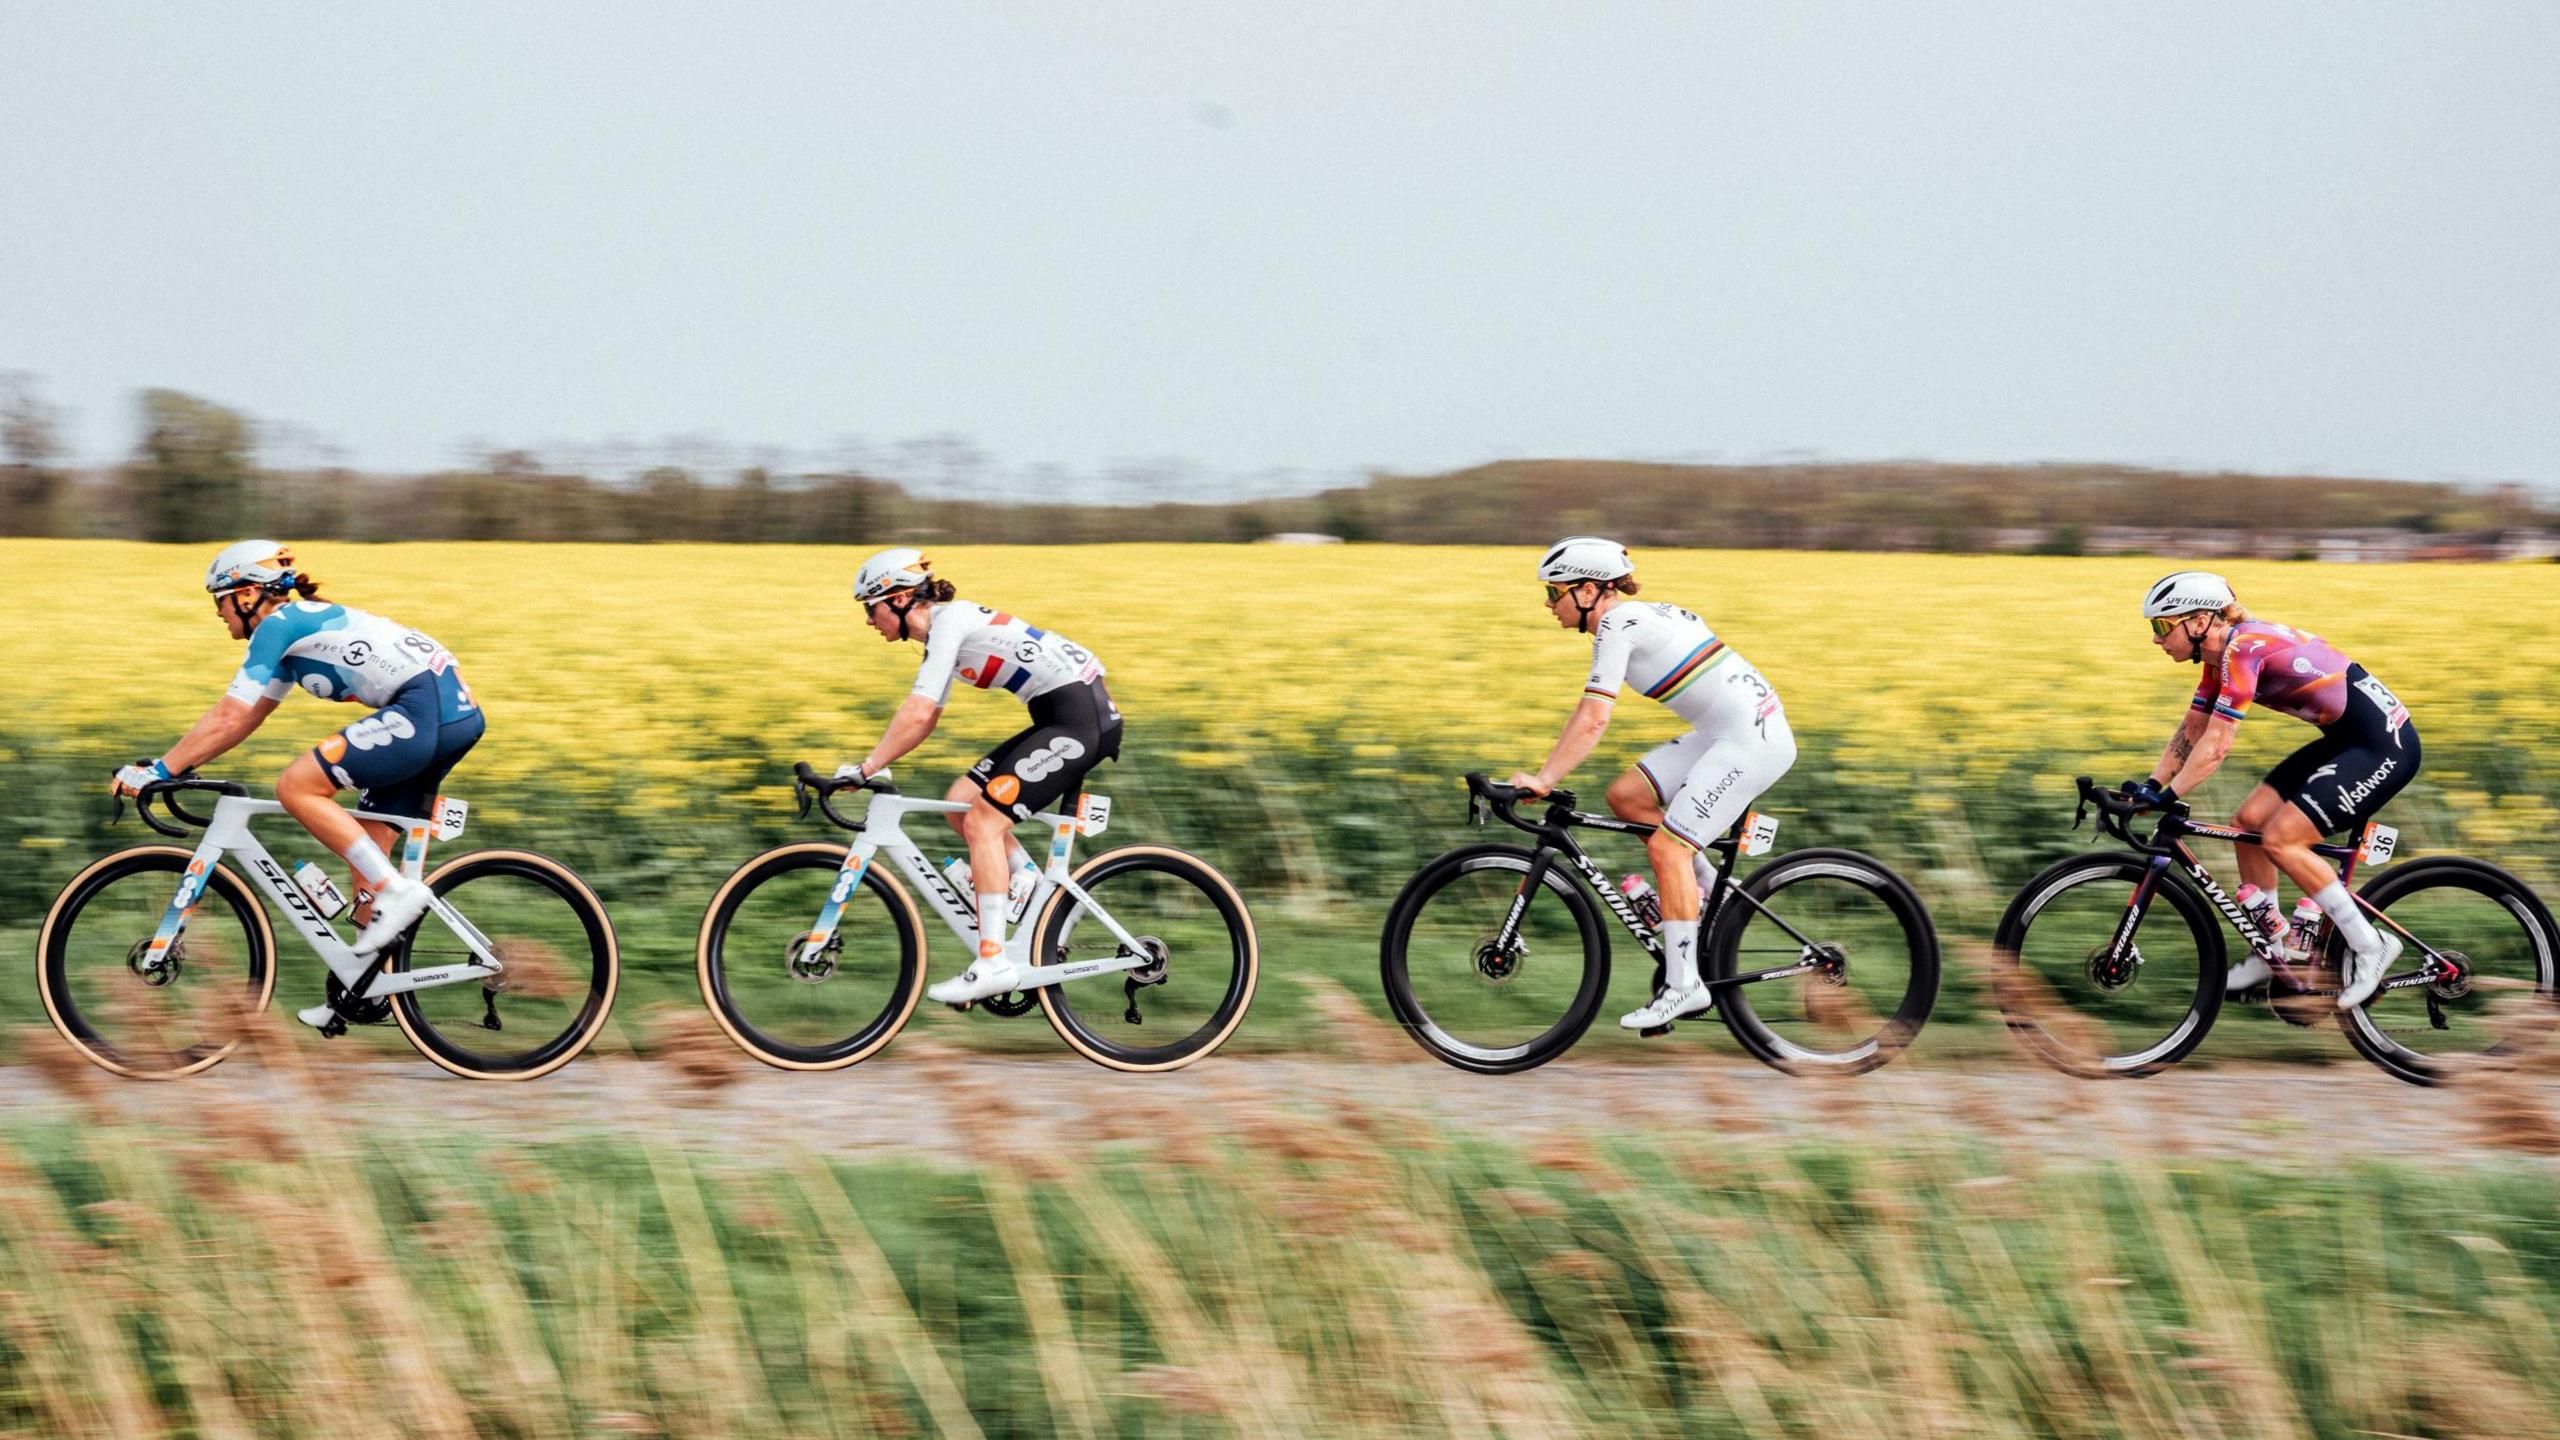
1473 1003
2497 935
146 1014
2088 1006
1870 934
562 969
798 1008
1193 992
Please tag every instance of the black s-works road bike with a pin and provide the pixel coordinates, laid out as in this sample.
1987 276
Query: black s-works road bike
2113 965
1495 958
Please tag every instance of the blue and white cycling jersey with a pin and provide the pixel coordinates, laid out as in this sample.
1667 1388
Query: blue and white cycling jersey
338 653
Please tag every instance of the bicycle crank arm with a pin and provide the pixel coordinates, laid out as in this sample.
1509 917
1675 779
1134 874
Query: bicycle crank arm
1043 975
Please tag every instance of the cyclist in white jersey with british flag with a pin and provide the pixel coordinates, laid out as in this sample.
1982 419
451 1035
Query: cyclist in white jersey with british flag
1074 726
1693 788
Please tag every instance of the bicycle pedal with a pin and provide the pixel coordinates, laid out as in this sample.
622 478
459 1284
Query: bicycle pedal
1650 1031
336 1027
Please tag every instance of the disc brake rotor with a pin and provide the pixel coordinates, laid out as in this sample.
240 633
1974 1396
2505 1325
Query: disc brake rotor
2114 973
2455 984
159 973
1497 966
812 966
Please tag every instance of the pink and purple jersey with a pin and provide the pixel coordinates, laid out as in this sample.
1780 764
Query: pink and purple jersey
2292 672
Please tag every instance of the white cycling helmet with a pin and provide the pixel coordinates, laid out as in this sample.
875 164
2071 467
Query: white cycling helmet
267 564
2184 593
900 567
1585 557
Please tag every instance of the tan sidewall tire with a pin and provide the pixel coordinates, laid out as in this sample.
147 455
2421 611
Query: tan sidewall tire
903 908
1252 963
612 979
222 876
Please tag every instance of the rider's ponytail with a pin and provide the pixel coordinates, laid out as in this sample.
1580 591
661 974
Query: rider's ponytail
937 590
305 586
1624 585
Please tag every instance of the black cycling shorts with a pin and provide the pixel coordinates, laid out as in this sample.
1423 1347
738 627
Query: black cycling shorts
396 758
2359 762
1073 729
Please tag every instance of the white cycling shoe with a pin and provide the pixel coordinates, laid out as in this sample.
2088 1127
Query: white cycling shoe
992 975
2365 972
397 904
1668 1006
315 1016
2249 974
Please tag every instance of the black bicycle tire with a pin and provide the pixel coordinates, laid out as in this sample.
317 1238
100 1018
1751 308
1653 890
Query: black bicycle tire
1407 1008
1230 1010
604 977
2182 897
1903 1027
2409 877
710 968
52 983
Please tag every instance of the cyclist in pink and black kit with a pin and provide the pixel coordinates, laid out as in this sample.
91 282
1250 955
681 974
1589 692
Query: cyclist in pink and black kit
2367 752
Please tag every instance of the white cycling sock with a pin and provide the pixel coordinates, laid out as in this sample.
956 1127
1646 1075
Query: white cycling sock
1679 954
2343 912
1705 870
370 862
991 910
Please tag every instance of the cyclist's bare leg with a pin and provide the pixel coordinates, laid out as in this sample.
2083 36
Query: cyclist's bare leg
2256 813
310 796
965 791
1631 797
2289 838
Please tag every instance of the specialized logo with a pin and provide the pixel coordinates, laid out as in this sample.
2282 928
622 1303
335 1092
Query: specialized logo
2323 773
2350 796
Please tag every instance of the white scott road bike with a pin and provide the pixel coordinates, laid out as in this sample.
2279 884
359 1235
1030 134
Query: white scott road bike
812 957
146 978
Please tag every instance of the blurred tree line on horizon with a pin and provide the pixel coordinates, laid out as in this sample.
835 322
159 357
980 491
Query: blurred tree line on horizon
195 474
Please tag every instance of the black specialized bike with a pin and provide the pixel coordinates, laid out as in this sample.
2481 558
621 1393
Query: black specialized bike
1495 958
2113 965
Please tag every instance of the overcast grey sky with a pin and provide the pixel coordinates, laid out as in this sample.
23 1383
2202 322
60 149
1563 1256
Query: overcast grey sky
1319 235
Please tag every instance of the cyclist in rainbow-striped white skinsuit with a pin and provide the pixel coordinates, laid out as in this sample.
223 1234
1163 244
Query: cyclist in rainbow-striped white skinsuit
1693 788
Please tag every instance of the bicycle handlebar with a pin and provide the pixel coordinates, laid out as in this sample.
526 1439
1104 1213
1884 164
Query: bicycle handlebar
2117 812
167 792
1505 800
807 785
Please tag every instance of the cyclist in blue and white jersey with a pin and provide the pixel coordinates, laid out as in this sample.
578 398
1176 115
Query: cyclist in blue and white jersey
424 720
1693 788
1074 726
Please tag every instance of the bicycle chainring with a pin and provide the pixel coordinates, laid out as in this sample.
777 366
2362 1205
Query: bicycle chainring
363 1012
1018 1002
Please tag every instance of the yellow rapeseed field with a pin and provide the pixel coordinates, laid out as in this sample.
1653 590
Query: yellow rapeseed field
662 667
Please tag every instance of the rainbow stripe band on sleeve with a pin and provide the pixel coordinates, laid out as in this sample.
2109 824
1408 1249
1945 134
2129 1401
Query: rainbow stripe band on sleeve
1682 675
1596 693
2226 710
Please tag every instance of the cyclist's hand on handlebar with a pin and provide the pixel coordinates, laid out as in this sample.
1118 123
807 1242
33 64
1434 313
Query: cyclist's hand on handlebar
131 779
1527 784
852 770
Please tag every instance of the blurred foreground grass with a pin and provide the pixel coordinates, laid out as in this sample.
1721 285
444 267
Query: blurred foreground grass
1259 1268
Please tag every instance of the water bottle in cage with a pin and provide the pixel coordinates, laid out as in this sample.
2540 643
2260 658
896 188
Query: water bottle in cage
2306 920
1640 895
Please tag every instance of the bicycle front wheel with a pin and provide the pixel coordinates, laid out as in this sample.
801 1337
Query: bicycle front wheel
1875 953
793 1005
2090 1005
144 1012
562 968
1474 1001
1203 960
2494 940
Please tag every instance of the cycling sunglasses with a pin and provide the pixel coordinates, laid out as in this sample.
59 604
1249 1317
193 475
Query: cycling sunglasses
2162 626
